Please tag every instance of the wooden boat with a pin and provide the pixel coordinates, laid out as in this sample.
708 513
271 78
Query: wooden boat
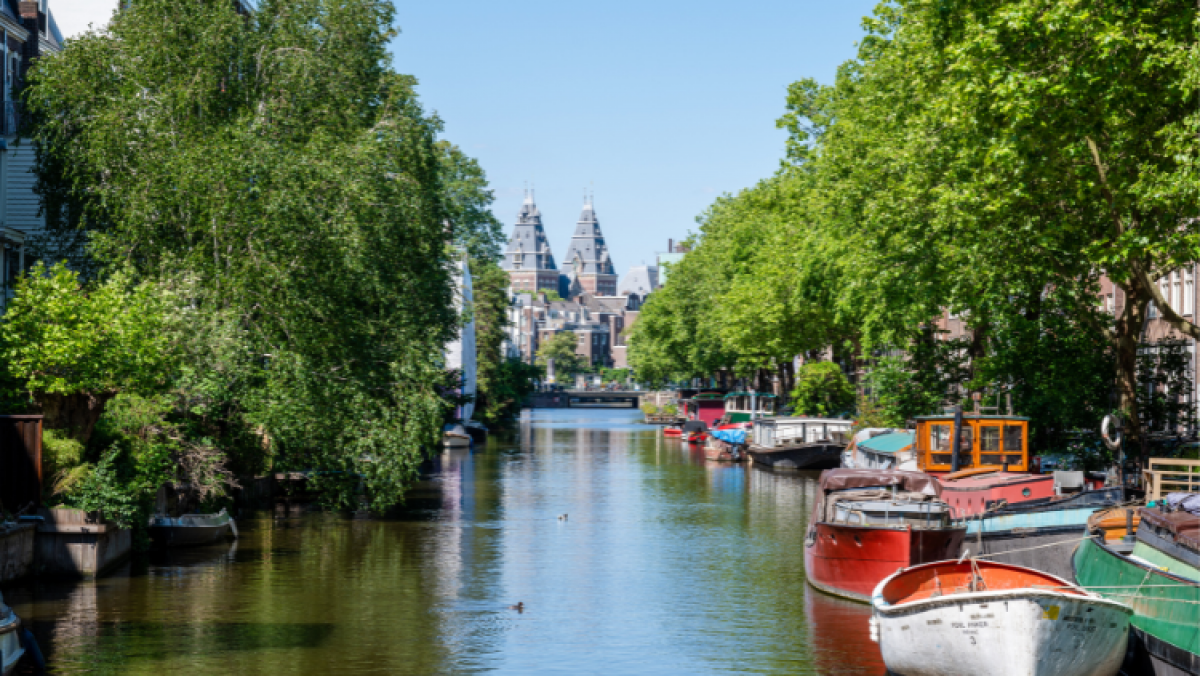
868 523
192 529
993 619
1165 629
746 407
815 455
11 647
1040 534
1115 523
991 464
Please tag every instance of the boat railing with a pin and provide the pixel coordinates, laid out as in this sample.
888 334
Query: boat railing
1171 475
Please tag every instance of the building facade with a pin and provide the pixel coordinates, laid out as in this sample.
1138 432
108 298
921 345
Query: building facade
29 30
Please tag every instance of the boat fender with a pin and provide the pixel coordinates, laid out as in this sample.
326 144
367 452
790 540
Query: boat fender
874 629
32 651
1110 432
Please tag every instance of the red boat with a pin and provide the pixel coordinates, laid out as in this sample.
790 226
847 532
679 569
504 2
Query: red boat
672 432
697 437
992 463
869 523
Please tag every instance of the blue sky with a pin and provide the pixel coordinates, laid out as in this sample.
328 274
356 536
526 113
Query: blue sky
658 106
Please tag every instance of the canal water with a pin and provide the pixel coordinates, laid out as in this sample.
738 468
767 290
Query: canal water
663 564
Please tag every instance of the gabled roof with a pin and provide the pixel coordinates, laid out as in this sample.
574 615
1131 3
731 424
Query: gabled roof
641 279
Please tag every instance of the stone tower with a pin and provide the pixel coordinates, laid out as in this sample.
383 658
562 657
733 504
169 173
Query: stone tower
528 260
587 260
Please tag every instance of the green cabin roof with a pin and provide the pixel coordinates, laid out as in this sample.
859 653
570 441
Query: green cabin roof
888 443
760 395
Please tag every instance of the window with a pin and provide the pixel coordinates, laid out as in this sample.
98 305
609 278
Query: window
939 440
989 446
1177 295
1112 304
1189 293
1014 447
1164 287
966 447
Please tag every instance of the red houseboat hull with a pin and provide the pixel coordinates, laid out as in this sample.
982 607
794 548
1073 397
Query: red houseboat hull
849 561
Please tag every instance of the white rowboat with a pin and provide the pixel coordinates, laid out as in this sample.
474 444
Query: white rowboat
993 619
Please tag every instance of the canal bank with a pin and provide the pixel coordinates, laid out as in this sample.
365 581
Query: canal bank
664 564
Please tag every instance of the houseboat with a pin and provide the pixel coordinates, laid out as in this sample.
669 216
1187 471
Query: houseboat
992 463
866 524
744 408
705 407
992 619
798 442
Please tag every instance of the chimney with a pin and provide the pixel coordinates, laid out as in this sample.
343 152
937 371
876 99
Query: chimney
28 9
670 246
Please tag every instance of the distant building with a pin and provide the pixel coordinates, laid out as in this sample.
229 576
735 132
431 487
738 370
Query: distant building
587 257
671 256
640 280
528 260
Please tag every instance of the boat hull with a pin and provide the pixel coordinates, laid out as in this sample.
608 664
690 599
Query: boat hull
973 495
456 441
1166 621
849 561
191 530
1048 548
11 650
807 456
1022 632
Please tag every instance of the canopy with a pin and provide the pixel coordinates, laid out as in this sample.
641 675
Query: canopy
916 482
730 436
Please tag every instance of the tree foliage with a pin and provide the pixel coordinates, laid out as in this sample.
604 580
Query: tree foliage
277 171
561 347
822 389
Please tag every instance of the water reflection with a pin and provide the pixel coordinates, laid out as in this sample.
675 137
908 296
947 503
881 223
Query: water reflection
665 564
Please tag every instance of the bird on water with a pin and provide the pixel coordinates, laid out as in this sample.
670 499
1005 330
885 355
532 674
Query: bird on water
520 607
562 517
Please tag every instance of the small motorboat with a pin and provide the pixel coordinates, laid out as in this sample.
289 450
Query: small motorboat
11 647
455 436
192 529
994 619
726 446
672 432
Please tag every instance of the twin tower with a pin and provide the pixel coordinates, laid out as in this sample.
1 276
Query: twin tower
530 265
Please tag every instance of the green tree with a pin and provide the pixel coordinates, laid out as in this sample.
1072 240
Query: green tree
71 347
561 347
822 390
284 176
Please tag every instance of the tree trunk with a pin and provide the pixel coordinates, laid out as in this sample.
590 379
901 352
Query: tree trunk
1127 336
76 414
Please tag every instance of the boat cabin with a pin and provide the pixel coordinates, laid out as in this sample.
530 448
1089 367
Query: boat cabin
782 431
1000 442
707 407
743 407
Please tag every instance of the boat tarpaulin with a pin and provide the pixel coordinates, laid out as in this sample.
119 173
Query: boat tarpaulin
915 482
888 443
736 437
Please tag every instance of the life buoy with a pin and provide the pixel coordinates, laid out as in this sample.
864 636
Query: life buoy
1109 433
